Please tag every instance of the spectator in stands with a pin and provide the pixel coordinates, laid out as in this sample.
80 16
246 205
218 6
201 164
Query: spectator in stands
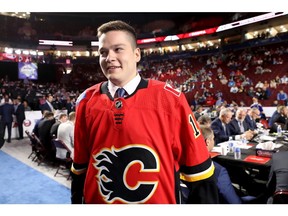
273 84
251 92
259 84
4 99
219 101
231 83
282 97
234 89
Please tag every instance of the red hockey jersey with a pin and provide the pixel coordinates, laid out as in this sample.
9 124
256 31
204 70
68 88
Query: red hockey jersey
136 146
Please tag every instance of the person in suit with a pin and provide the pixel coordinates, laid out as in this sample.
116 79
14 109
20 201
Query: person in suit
252 116
228 194
198 111
70 106
2 133
7 112
20 115
238 126
278 177
274 116
48 104
222 130
44 128
281 119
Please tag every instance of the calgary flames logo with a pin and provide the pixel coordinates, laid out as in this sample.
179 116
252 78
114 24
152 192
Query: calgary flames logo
127 174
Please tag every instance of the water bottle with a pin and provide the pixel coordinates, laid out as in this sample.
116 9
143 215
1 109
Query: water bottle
237 153
230 145
279 130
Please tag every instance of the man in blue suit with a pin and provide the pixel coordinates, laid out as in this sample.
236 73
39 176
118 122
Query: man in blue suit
6 112
48 104
251 118
228 194
20 116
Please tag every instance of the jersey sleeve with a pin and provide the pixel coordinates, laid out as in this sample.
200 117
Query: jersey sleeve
196 166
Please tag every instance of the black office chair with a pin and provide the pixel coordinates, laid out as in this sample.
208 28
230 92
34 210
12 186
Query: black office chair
41 151
63 158
33 143
280 197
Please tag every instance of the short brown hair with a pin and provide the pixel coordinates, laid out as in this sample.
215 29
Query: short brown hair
117 25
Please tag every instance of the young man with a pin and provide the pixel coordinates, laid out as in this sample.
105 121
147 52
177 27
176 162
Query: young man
136 147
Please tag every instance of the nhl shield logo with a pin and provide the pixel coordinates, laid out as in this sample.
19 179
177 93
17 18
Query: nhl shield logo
118 104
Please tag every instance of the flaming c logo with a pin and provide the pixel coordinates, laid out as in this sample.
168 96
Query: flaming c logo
115 167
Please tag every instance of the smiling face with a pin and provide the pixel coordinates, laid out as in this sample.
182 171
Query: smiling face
118 57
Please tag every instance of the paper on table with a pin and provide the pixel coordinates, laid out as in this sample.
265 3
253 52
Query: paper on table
235 143
267 138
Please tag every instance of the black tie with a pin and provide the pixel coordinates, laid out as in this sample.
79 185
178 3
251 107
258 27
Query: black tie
120 93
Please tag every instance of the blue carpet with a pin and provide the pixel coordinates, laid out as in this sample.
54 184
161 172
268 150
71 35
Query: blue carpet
21 184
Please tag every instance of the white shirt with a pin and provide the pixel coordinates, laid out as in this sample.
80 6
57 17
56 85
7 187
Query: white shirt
66 134
130 87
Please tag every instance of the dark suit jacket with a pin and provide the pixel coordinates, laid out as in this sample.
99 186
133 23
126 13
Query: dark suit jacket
272 119
278 177
250 123
219 132
44 128
7 111
227 192
20 113
45 106
234 128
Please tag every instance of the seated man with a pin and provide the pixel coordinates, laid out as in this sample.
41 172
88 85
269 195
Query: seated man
238 126
227 192
281 119
251 118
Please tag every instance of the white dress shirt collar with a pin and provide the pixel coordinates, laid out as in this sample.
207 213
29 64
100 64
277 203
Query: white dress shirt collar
130 87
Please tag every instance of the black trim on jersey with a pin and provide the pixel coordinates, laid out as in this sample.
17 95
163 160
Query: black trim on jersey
104 88
178 193
196 169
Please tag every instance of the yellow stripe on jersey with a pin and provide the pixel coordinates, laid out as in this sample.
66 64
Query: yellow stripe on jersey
198 176
78 171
